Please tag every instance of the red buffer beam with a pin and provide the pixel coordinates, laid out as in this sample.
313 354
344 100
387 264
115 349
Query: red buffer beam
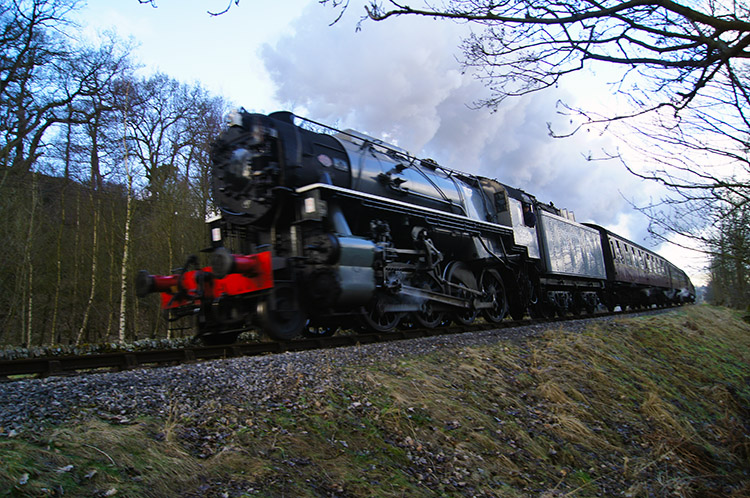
229 275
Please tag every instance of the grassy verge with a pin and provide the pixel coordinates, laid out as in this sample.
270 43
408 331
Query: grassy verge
650 406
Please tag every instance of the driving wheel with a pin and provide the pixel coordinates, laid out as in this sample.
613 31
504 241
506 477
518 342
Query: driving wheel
462 282
428 316
285 320
377 318
493 288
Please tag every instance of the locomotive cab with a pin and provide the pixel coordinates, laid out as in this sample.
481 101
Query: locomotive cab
512 202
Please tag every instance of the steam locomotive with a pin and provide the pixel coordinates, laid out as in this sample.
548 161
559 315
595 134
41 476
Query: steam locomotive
321 228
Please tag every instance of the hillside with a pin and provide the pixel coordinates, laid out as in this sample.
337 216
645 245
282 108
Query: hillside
648 406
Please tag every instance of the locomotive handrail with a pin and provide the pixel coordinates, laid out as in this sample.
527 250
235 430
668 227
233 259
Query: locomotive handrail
418 169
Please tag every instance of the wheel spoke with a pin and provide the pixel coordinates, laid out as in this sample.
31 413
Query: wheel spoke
428 316
463 282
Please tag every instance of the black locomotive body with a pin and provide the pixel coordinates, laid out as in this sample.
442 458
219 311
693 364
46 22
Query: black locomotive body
321 228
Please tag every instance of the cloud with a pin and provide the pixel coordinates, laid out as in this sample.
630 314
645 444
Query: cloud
400 80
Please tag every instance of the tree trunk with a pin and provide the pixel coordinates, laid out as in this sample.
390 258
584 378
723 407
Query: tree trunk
94 261
112 281
30 267
53 339
125 255
126 245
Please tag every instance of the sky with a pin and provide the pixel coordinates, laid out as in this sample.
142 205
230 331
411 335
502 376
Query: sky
399 80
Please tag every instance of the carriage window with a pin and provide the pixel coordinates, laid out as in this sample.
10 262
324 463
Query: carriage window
618 252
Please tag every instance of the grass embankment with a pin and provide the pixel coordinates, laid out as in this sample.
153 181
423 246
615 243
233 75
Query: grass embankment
650 406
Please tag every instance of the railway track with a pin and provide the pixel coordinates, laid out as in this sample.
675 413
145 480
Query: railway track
25 368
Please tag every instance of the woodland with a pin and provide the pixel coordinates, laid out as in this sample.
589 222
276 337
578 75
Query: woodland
102 172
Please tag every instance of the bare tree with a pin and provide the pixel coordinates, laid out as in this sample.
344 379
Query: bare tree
128 214
678 47
34 54
730 263
684 69
158 128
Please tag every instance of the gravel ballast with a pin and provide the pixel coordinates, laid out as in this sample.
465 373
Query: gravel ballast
196 390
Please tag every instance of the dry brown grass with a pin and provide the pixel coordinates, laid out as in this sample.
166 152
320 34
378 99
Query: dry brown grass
632 393
553 392
139 450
